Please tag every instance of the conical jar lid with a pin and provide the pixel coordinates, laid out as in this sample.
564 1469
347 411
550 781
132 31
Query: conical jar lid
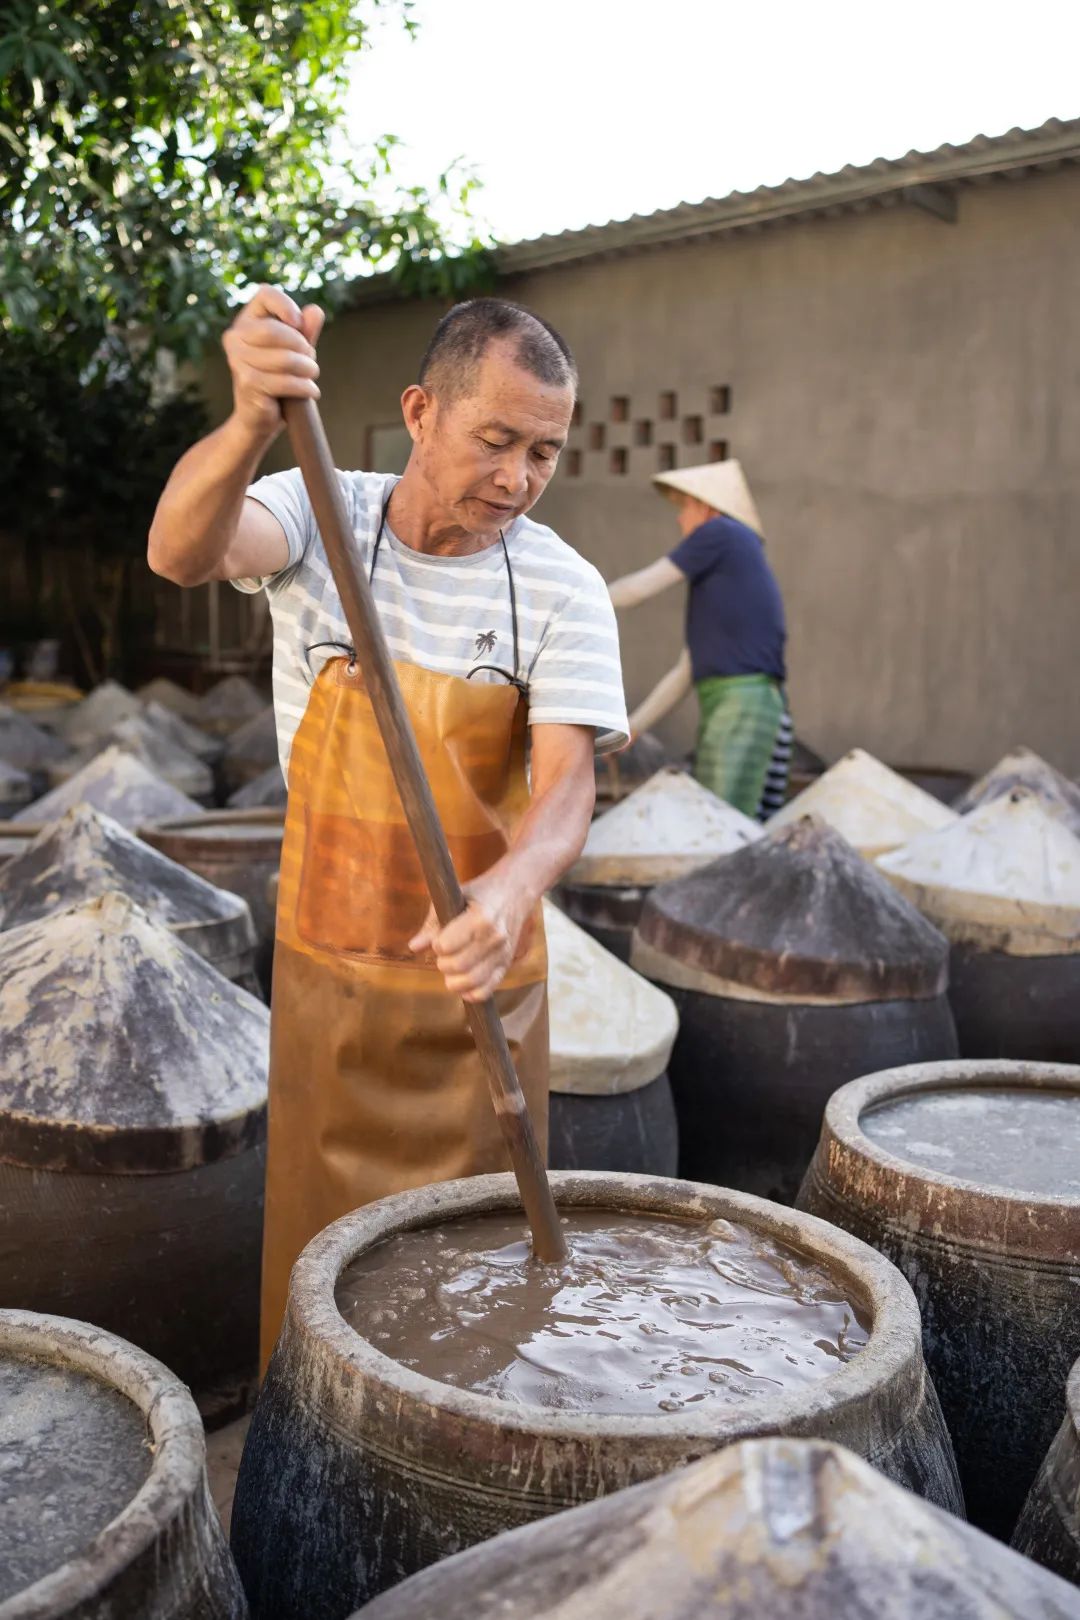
181 733
1006 878
26 746
797 916
611 1030
121 1049
89 720
87 854
871 806
669 827
119 784
1021 767
228 704
15 787
255 742
139 737
265 791
171 695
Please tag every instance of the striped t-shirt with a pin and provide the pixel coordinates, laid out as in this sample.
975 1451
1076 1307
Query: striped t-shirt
448 614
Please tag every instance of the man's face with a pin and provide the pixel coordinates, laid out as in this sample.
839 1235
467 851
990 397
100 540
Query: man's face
487 455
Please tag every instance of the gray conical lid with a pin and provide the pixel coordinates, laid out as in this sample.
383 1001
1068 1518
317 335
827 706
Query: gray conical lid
796 916
669 826
255 742
1021 767
228 704
139 737
89 720
26 746
769 1529
120 1048
611 1030
87 854
16 788
192 739
171 696
1005 877
120 785
619 774
265 791
868 803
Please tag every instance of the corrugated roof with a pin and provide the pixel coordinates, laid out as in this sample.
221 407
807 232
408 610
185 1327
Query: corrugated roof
928 180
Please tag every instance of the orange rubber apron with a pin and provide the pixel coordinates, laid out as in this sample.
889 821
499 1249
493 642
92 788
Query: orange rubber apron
375 1084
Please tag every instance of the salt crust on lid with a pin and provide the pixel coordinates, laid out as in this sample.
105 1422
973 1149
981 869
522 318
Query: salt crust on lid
611 1030
873 807
1005 877
667 827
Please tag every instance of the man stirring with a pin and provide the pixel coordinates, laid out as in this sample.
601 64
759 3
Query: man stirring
500 633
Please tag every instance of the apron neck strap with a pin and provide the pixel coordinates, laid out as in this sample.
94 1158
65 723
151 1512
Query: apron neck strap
515 678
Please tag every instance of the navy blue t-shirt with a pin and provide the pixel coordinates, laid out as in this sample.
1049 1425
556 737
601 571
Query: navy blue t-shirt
734 615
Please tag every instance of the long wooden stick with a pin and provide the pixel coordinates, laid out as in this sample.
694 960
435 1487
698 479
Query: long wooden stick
313 453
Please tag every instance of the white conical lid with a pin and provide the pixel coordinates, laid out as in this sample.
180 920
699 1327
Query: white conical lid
1005 877
181 733
228 704
664 829
138 736
171 696
873 807
256 741
119 784
95 715
26 746
263 792
611 1030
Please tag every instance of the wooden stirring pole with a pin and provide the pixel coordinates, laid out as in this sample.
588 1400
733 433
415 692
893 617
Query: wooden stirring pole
313 453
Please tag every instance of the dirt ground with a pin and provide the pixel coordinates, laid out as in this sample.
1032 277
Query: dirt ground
223 1449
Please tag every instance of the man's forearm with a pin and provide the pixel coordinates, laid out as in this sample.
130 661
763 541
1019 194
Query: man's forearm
550 837
199 511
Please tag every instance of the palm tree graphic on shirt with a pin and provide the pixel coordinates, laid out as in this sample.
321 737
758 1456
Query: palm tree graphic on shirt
485 642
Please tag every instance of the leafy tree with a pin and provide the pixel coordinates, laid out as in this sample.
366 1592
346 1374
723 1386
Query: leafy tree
157 159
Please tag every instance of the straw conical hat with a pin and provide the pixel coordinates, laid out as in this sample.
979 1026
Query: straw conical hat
873 807
1005 877
611 1030
720 484
665 828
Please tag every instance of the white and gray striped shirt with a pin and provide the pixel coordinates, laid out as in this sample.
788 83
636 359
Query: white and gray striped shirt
448 614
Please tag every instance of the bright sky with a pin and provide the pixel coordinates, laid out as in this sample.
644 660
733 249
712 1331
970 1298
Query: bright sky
580 111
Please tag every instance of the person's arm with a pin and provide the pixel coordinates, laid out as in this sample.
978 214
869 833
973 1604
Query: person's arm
204 527
633 589
669 690
474 950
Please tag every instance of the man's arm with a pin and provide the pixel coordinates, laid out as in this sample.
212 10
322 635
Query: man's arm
204 527
669 690
633 589
474 951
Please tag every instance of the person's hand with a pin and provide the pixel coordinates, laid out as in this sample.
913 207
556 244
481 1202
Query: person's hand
270 348
474 951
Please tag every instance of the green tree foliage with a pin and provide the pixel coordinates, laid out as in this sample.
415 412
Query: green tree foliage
157 159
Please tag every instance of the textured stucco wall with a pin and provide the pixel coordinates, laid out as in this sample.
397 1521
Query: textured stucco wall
904 397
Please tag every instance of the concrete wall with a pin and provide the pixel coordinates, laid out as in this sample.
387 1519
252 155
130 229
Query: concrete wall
903 396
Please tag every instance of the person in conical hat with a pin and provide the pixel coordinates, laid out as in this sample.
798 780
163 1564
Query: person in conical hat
735 633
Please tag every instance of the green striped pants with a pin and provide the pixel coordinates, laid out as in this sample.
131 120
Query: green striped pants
744 741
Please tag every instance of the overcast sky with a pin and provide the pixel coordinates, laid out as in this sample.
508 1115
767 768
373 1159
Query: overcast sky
580 111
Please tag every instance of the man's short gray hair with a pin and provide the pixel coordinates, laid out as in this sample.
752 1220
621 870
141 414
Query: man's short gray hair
465 332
